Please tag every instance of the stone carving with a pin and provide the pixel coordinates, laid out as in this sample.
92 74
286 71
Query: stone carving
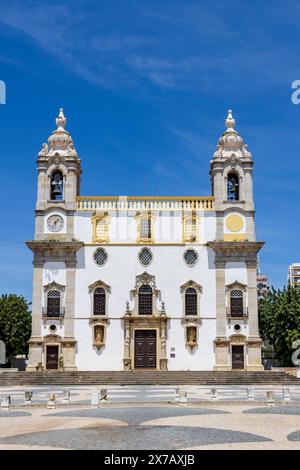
44 150
99 336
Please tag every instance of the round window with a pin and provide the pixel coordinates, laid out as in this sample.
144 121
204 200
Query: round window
52 328
237 327
190 257
100 256
145 256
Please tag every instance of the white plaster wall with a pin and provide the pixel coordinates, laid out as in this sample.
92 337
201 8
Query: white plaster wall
119 273
123 227
235 271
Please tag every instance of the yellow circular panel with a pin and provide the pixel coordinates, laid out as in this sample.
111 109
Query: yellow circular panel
234 223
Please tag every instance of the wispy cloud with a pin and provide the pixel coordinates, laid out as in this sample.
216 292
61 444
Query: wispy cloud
179 45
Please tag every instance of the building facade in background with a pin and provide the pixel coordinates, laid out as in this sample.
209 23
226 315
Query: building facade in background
294 274
123 283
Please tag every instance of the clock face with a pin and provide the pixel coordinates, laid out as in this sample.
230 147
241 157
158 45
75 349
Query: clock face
55 223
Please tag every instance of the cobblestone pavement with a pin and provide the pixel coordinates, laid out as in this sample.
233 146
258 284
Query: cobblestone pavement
148 394
154 427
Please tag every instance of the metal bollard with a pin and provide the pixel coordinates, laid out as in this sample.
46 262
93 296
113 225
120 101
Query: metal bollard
66 396
95 398
270 398
5 401
213 392
250 393
103 395
51 401
28 397
286 394
183 397
176 394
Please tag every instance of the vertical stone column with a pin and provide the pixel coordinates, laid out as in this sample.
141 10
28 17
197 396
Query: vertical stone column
221 343
35 342
70 224
69 342
70 297
254 341
220 296
127 344
219 225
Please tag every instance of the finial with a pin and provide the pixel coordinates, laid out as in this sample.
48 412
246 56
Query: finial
230 121
127 312
61 120
163 309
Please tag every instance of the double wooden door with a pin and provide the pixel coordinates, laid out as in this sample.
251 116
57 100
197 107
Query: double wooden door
145 349
52 357
237 353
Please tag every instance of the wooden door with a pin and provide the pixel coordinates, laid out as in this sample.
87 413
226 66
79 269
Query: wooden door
52 357
237 357
145 349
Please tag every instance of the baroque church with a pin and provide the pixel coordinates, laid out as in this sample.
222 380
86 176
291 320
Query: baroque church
144 282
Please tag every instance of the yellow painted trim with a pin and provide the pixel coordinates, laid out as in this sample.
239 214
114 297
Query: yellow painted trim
153 244
139 217
185 218
234 223
95 219
235 237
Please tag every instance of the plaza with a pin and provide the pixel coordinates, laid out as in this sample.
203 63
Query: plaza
148 417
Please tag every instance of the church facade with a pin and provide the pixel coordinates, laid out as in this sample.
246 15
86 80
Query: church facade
165 283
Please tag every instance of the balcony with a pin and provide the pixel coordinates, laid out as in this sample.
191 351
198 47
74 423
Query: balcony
53 314
243 313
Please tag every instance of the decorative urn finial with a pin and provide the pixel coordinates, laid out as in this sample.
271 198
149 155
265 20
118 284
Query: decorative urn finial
61 120
230 122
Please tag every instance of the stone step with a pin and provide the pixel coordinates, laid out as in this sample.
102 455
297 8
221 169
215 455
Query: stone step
147 378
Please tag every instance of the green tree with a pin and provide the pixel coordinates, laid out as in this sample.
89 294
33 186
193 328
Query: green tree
279 321
15 324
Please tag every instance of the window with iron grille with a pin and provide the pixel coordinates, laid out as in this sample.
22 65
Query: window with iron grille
145 228
145 300
191 301
190 257
99 307
236 303
100 256
101 229
190 229
53 303
145 256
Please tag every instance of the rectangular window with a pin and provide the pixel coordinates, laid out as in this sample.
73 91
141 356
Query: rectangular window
191 229
101 229
145 228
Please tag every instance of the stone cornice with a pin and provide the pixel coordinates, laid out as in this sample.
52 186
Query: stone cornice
53 248
229 248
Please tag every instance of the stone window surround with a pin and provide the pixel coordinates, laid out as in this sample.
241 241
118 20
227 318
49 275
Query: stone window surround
92 289
191 321
53 286
56 166
149 280
145 215
190 216
99 216
236 285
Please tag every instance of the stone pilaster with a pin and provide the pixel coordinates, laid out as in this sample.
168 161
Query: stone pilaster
70 298
254 341
35 342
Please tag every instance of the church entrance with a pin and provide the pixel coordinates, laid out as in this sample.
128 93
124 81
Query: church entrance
145 349
237 357
52 357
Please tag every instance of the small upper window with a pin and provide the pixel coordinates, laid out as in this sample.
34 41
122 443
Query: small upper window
233 187
53 303
145 228
190 257
56 189
102 229
190 233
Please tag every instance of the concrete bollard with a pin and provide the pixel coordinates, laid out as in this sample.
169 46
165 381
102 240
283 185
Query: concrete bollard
250 393
66 396
183 397
176 395
28 397
213 393
5 401
51 401
95 398
270 398
103 395
286 394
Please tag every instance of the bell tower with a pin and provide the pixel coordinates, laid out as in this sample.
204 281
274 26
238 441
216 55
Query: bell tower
231 181
59 172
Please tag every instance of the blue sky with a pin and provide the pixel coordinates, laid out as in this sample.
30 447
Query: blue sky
145 86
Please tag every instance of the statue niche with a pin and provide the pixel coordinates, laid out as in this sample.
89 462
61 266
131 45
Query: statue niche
99 336
191 336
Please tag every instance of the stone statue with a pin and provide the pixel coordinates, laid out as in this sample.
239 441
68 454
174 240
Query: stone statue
191 333
44 150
